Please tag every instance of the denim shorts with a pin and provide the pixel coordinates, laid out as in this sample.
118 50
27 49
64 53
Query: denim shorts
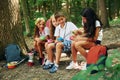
67 46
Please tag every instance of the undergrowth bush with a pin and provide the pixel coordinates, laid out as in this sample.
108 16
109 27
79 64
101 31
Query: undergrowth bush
111 71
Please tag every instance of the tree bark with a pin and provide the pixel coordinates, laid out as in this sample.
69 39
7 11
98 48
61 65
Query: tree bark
10 26
116 8
110 10
54 4
103 13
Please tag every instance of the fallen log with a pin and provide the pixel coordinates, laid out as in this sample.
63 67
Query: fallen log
113 45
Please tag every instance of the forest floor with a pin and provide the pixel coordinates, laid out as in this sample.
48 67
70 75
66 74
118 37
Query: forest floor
24 72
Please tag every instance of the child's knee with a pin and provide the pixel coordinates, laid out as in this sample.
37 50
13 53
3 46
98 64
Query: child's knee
59 45
49 46
77 46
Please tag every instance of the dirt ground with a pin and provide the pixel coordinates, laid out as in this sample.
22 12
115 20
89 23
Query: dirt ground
24 72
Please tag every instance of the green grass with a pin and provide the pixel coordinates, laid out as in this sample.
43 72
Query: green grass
115 22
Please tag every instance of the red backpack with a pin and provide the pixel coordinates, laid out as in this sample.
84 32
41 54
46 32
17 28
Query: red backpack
95 53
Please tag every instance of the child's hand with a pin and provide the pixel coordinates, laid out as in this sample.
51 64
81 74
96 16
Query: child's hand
80 38
77 32
56 41
49 40
72 37
37 39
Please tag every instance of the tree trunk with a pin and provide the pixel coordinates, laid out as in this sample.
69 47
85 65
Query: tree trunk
68 8
44 8
103 13
26 16
97 9
116 8
109 10
54 4
10 26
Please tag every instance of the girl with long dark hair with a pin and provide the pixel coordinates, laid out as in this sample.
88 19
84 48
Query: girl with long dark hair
91 36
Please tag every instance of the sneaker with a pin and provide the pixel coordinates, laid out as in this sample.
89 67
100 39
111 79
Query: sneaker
48 66
53 69
83 65
72 65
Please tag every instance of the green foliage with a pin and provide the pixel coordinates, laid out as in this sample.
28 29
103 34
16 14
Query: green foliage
31 22
31 3
115 22
48 14
76 20
111 71
86 75
32 25
39 2
37 14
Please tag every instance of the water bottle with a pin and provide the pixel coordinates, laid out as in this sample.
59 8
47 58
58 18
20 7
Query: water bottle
30 60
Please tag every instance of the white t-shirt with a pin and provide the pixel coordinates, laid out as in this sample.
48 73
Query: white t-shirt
66 31
100 36
45 32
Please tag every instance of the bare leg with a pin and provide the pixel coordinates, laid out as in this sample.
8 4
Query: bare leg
39 45
81 46
74 52
46 45
49 51
59 47
35 46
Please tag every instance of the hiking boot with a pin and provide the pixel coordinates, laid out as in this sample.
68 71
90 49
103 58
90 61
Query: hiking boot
35 53
48 66
41 61
53 69
72 65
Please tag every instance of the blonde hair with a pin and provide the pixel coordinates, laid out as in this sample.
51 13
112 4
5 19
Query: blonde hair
38 20
36 30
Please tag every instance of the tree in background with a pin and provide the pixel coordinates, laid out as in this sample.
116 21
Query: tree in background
116 8
26 16
103 13
10 26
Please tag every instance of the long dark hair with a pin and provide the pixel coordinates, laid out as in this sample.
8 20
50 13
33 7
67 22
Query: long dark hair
90 25
36 31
